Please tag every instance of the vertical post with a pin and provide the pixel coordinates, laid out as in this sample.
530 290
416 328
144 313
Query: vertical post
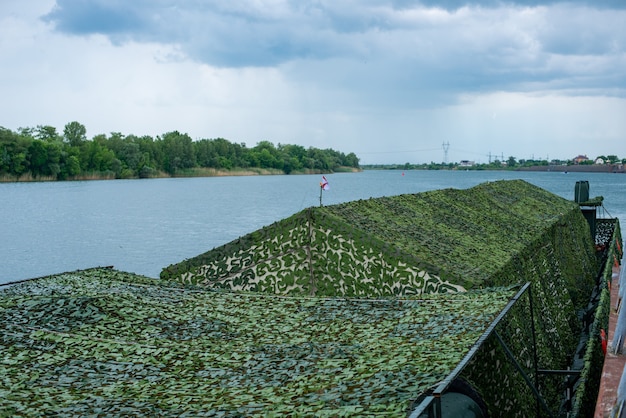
532 327
521 371
437 409
321 189
323 186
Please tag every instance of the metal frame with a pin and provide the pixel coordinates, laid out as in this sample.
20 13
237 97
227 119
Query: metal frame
432 403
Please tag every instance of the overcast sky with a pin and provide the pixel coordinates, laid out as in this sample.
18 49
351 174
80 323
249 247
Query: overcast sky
391 80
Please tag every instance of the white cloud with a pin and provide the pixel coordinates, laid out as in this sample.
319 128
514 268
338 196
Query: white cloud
390 84
532 124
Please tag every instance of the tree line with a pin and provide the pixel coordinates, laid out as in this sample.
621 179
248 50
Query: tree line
511 163
42 152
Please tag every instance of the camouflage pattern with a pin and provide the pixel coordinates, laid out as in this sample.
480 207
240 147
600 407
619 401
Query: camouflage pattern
298 257
444 241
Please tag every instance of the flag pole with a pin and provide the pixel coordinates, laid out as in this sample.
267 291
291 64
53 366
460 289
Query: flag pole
321 189
323 186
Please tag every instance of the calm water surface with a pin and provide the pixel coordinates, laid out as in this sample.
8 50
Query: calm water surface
142 226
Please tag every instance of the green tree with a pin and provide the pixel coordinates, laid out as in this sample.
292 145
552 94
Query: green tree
220 153
351 160
206 155
266 159
268 155
293 156
319 158
54 158
14 152
19 164
38 158
94 157
47 133
69 167
7 141
178 152
511 162
75 134
43 152
152 155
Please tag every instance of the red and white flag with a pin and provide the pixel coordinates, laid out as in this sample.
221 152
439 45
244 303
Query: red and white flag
324 183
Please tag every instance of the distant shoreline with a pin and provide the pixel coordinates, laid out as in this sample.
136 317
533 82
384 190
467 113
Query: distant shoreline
593 168
582 168
191 173
212 172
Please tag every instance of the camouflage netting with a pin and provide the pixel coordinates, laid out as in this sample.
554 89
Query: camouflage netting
113 344
358 308
450 240
446 241
497 378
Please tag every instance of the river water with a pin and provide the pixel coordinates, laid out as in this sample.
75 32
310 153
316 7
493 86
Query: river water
142 226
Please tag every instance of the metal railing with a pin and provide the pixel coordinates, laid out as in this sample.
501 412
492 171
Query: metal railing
431 404
617 344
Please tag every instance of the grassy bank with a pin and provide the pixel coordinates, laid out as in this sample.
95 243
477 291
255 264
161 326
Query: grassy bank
193 172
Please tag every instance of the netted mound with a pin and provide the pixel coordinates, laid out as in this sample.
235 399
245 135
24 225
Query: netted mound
497 233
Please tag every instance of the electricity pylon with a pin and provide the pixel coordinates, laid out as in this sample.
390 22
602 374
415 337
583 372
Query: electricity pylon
446 147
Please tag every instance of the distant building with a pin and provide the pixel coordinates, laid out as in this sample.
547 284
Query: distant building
466 163
580 159
599 161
